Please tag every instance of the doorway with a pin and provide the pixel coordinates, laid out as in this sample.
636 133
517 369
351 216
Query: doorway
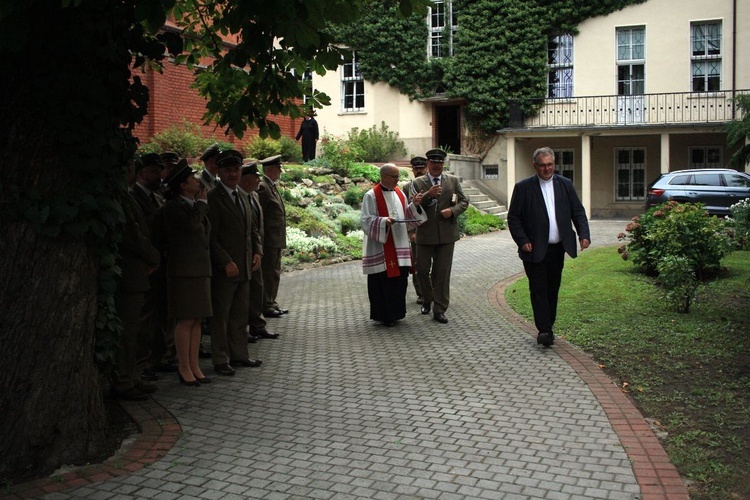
448 129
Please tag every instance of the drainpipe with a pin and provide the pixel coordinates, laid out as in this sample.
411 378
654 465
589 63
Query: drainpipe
734 54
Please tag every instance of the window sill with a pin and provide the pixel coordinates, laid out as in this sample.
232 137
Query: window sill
347 113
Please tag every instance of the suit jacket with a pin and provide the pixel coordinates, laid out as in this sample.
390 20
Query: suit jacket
233 238
257 212
208 180
528 221
148 206
187 231
274 215
137 253
438 230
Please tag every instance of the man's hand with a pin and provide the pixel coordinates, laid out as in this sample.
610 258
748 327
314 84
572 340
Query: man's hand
256 261
447 213
417 199
585 244
231 270
528 247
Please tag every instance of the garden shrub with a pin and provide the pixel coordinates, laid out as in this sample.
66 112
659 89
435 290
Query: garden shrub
290 150
293 173
679 230
339 154
353 196
350 243
677 277
740 220
306 221
261 148
185 139
308 248
366 171
473 221
350 221
377 145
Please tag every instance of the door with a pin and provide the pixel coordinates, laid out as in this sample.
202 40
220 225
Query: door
631 75
448 130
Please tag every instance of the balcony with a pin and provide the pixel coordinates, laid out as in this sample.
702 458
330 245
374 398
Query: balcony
625 111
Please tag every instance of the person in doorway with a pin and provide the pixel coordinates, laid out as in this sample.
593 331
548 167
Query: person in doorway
541 210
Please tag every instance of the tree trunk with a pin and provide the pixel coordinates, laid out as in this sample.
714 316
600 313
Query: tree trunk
51 410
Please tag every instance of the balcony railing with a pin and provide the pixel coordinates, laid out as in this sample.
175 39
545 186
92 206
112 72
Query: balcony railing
620 110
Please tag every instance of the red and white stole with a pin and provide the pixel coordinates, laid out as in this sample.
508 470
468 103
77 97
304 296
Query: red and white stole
389 248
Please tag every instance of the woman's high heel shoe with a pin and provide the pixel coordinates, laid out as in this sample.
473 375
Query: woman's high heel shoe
204 380
191 383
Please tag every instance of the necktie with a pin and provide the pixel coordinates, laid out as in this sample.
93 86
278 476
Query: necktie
238 203
152 196
436 180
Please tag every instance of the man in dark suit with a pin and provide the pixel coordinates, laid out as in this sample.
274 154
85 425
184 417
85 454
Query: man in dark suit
235 252
539 219
443 201
256 322
274 234
155 342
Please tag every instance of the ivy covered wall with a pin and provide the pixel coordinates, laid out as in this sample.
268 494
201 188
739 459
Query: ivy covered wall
500 51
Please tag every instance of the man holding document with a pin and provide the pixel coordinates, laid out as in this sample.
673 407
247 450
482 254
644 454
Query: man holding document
386 253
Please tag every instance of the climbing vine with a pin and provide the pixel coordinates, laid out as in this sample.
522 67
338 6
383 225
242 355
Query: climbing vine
500 52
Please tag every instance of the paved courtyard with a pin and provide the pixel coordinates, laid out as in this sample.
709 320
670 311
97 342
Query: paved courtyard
344 408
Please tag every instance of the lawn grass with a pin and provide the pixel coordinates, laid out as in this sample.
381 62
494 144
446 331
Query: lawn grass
689 372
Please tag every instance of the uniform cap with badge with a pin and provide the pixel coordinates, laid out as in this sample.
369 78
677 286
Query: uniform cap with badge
229 158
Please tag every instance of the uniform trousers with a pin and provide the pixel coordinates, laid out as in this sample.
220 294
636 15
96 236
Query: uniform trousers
230 300
434 265
256 320
415 276
544 285
129 306
271 269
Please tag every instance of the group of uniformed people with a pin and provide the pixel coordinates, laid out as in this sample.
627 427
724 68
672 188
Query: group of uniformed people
200 253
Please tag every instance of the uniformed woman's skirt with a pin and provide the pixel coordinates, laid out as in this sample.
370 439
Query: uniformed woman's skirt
189 298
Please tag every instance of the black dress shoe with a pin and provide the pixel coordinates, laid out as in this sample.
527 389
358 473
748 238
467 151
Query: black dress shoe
440 318
420 300
272 313
144 387
251 339
166 368
224 369
265 334
426 308
389 324
282 311
545 338
250 363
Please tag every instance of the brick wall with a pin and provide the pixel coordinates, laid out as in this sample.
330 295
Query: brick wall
172 101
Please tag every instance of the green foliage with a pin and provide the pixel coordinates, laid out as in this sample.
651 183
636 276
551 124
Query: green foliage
349 245
365 170
184 139
353 196
677 230
738 132
306 221
260 148
293 173
377 145
472 222
677 277
339 154
741 222
500 52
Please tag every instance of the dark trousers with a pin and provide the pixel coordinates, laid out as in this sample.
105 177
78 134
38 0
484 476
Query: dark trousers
544 286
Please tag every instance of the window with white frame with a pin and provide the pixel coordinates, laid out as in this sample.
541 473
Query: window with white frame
705 54
631 61
564 164
705 157
630 174
443 25
352 85
560 63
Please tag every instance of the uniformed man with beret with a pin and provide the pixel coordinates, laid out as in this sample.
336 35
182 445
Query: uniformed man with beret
418 169
443 201
236 250
274 234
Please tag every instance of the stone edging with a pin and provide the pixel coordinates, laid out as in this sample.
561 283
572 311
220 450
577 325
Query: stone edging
159 431
656 475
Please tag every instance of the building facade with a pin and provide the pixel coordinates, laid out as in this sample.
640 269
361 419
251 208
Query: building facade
644 90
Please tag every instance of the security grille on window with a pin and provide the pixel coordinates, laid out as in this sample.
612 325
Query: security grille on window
630 174
443 25
352 85
560 62
564 163
490 171
705 52
705 157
